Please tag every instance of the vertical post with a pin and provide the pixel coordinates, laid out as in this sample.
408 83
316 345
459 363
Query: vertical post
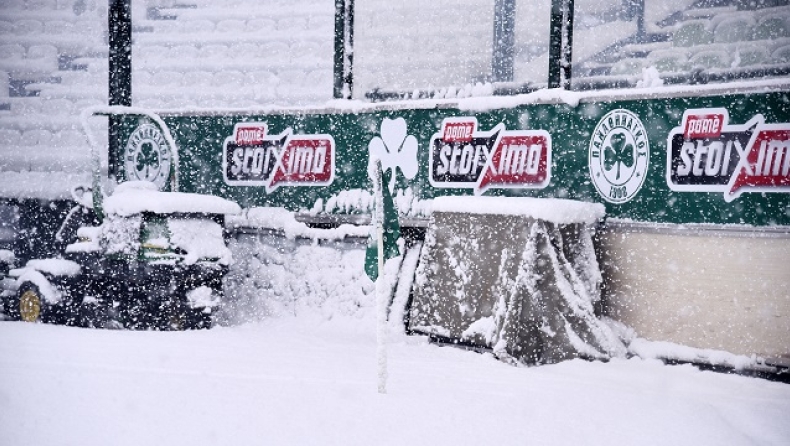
381 285
344 49
504 40
567 47
639 11
560 41
120 70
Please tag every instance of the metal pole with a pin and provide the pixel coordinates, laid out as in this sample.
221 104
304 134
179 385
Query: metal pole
344 49
120 71
555 43
504 40
567 56
560 40
639 6
381 285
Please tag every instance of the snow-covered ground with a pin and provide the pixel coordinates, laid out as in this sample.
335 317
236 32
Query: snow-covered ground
296 363
306 380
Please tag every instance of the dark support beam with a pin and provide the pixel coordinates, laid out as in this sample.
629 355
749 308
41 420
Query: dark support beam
567 46
555 43
560 40
344 49
504 40
120 69
639 11
120 38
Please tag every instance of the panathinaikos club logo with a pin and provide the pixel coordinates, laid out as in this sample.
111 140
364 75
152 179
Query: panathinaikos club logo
618 156
147 157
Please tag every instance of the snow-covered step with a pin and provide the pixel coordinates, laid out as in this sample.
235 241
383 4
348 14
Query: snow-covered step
78 77
43 122
46 158
55 26
288 11
35 106
55 185
218 65
231 38
257 95
24 63
69 44
71 92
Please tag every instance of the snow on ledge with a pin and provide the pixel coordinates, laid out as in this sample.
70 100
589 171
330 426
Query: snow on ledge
554 210
646 349
128 201
664 350
280 219
486 103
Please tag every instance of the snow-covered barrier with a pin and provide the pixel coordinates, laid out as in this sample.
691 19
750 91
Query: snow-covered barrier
284 268
516 275
668 185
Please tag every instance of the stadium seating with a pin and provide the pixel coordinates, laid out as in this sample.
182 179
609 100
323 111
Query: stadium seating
693 33
235 53
771 28
715 40
53 64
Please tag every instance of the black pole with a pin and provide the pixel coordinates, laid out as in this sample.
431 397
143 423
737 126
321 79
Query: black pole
555 43
567 55
560 40
639 7
344 49
120 70
504 40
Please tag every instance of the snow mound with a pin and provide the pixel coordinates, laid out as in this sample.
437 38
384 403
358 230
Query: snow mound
277 276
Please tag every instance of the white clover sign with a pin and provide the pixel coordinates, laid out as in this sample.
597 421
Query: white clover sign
395 149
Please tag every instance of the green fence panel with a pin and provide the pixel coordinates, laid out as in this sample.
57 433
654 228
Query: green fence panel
720 159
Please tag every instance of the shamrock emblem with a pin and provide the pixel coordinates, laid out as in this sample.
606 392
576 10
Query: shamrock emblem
618 154
395 149
147 159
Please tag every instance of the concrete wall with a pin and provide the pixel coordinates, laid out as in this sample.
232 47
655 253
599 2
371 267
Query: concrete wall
705 287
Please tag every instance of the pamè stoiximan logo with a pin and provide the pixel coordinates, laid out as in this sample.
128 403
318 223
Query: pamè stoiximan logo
707 153
251 156
147 157
462 156
618 156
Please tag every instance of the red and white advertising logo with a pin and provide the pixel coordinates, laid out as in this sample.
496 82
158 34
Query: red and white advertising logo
251 157
707 154
463 157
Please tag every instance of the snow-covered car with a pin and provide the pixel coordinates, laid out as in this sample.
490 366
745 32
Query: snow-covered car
157 260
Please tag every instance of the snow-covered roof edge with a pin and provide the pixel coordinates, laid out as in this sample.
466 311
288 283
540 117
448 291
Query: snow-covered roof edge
483 103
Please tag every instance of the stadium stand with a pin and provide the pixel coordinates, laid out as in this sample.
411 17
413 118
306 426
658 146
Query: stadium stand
53 64
717 40
53 58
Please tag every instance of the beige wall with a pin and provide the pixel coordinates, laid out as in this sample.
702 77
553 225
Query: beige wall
703 288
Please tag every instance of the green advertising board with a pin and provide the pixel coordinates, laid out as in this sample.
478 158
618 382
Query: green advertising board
719 158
